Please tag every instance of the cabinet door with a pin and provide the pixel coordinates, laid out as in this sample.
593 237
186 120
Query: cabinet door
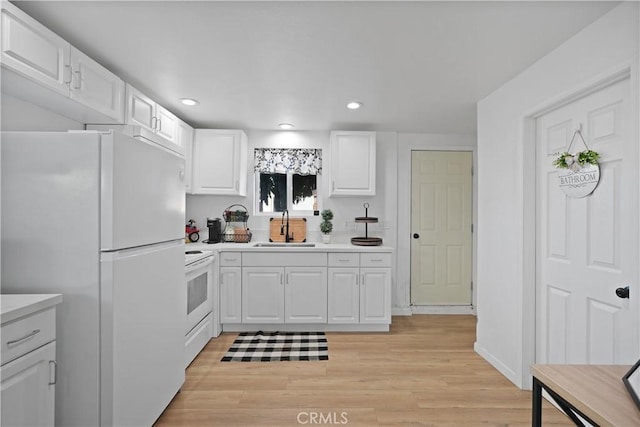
230 295
344 295
262 295
305 297
166 124
220 162
185 140
375 295
96 87
33 50
353 163
28 395
140 109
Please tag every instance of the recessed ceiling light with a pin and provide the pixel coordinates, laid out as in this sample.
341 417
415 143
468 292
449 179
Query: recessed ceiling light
285 126
354 105
189 101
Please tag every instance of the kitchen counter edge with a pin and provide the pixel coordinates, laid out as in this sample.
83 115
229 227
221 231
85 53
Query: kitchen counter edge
319 247
15 306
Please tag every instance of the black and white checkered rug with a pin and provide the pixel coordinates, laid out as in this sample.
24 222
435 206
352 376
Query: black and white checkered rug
274 346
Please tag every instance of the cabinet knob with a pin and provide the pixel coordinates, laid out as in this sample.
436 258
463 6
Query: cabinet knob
416 236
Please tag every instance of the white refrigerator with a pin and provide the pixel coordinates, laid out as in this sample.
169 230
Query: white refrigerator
99 218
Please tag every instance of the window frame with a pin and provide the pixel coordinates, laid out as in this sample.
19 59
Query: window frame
292 211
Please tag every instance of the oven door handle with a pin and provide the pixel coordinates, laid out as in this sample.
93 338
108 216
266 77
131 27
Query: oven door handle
199 263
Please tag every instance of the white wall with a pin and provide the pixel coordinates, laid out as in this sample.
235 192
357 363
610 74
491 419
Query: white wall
383 205
506 242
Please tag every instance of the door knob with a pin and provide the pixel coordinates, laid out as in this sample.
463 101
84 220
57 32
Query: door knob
416 236
623 292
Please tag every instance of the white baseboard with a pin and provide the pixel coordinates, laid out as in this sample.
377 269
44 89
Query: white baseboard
306 327
443 309
401 311
496 363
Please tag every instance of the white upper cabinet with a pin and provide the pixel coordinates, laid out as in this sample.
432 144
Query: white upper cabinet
185 140
220 162
141 109
166 124
96 87
38 59
145 112
34 51
353 163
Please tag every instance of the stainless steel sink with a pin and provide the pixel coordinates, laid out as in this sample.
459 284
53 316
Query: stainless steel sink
284 245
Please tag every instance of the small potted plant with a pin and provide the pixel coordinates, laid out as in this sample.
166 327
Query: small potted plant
326 226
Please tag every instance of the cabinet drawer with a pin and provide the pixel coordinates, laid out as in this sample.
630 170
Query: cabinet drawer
284 259
344 259
377 259
230 259
28 333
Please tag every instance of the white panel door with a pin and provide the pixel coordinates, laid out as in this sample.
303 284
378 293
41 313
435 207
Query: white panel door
262 295
166 124
185 141
353 163
305 297
28 392
141 109
33 50
588 247
343 295
219 162
375 295
441 214
230 295
142 193
96 87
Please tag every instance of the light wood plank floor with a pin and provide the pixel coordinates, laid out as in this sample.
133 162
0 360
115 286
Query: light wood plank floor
424 372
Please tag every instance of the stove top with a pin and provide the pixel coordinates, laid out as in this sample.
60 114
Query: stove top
193 256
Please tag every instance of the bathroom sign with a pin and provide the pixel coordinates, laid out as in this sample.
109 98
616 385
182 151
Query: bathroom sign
581 182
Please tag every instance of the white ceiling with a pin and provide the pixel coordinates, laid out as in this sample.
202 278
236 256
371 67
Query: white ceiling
418 66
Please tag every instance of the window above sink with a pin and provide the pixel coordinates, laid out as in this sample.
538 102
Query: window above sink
287 179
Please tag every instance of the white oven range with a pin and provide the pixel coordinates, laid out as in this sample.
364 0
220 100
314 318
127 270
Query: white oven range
200 302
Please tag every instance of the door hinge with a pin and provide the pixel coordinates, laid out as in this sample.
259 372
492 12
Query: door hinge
472 228
472 287
471 171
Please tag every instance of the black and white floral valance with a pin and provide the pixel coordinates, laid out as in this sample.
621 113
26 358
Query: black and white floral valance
303 161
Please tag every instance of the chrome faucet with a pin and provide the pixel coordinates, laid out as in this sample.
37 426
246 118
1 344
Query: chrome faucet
283 227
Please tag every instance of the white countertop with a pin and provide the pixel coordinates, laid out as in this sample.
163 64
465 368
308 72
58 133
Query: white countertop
14 306
319 247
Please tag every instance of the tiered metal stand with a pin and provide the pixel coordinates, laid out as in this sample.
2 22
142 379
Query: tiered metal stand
366 240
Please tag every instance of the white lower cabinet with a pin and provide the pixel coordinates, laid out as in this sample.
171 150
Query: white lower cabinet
375 295
28 373
305 295
28 390
344 295
297 288
284 295
230 295
262 295
359 294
